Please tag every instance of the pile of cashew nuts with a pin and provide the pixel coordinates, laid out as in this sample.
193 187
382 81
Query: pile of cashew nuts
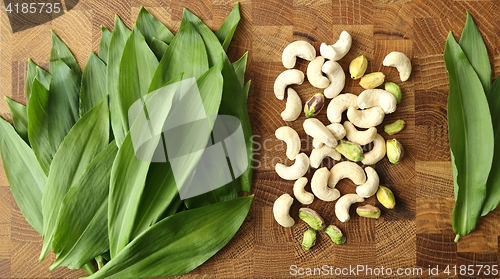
341 142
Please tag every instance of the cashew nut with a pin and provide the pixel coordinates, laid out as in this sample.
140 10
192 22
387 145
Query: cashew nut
293 106
377 98
336 76
300 193
319 186
281 210
318 154
285 79
338 50
317 130
344 203
314 74
337 130
401 62
339 104
295 171
369 188
346 169
359 137
377 153
365 118
292 140
301 49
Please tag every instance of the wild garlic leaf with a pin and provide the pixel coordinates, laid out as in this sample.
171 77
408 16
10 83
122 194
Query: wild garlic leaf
492 186
233 97
104 44
85 208
129 171
93 88
84 141
116 45
226 30
52 113
161 186
151 27
473 46
60 51
137 67
179 243
158 47
186 54
19 114
25 176
470 133
240 67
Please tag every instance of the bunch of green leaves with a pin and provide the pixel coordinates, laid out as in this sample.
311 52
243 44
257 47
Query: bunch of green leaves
473 128
71 164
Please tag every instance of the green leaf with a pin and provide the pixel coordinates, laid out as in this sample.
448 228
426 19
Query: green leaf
158 47
85 207
19 114
137 68
179 243
129 173
30 77
186 54
493 185
104 44
151 28
52 113
116 46
233 96
226 30
84 141
475 50
161 187
93 87
24 174
470 134
60 51
240 67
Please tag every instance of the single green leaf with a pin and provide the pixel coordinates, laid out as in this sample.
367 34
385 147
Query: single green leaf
233 96
179 243
25 176
246 89
93 87
226 30
60 51
30 76
470 133
161 187
19 114
473 46
52 113
240 67
104 44
85 207
84 141
33 72
151 28
137 67
43 77
116 46
129 171
186 54
493 185
158 47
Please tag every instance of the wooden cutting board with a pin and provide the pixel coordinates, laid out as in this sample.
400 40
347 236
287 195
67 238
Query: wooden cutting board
411 238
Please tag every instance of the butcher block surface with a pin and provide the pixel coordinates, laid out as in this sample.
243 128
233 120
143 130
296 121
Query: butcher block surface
415 237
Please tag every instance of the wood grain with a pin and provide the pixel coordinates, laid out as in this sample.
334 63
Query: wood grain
416 234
